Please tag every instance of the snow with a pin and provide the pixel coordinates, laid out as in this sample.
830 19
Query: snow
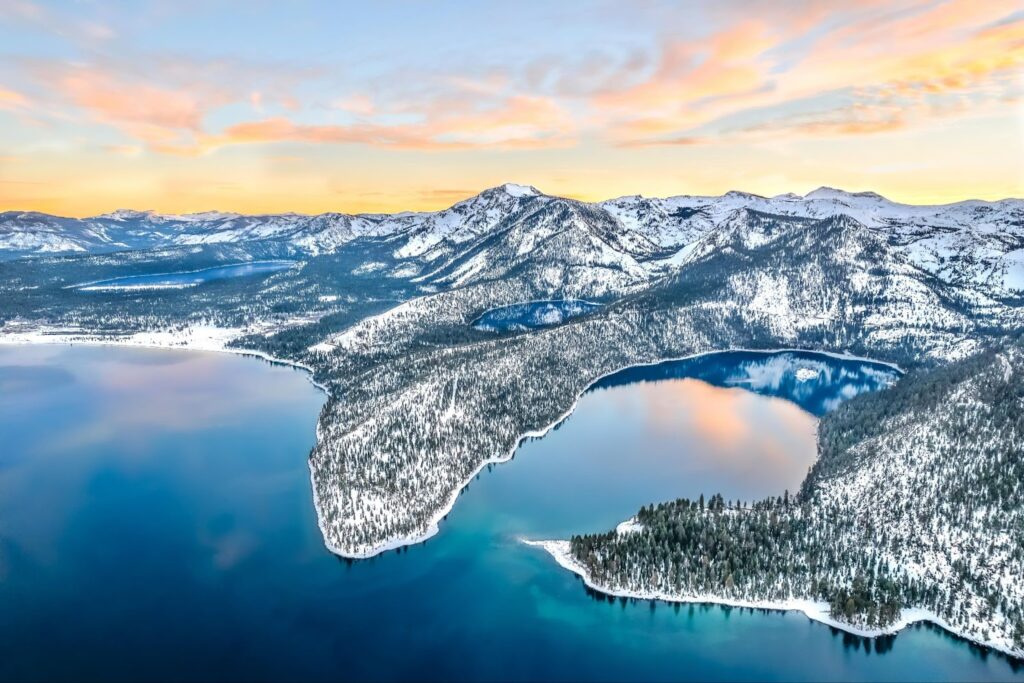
630 526
963 242
322 347
520 190
198 337
1014 275
371 500
368 267
138 287
805 374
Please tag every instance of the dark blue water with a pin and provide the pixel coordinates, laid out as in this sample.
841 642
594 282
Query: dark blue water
189 278
156 522
532 315
816 382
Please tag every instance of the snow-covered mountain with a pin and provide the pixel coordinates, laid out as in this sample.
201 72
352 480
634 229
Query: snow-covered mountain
967 242
606 245
831 276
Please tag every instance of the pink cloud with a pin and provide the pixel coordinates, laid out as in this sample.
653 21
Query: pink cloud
356 104
119 102
517 122
914 53
903 65
10 99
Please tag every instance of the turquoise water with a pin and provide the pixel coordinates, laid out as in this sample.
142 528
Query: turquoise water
190 278
532 315
156 522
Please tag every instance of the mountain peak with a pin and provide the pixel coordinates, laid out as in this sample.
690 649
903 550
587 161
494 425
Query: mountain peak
213 215
825 192
737 194
516 190
125 214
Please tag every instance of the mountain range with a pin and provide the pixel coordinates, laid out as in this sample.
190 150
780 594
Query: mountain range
614 244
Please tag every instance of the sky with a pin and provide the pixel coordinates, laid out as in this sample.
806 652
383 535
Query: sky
266 106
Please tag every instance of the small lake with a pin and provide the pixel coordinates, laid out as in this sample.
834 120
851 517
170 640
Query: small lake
184 279
156 520
532 314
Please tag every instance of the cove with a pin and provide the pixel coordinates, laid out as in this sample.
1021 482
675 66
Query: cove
156 520
184 279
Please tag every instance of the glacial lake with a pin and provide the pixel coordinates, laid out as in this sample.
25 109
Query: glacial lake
156 520
532 315
190 278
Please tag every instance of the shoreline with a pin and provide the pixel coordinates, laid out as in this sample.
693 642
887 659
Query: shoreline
177 272
217 339
813 610
474 321
216 344
433 525
556 549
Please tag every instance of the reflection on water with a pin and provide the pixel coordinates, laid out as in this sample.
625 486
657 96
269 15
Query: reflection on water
27 378
815 382
187 278
627 446
156 520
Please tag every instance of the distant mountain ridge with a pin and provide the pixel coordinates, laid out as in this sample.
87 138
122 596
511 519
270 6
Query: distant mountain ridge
619 242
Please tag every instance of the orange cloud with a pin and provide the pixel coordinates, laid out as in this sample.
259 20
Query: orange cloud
956 49
133 103
168 116
12 100
710 411
721 65
516 123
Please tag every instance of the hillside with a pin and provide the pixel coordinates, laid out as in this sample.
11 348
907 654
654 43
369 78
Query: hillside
916 504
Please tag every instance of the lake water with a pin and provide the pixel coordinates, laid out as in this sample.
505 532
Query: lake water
156 521
188 278
532 315
816 382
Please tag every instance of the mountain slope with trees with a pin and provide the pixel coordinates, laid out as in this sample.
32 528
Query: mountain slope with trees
916 502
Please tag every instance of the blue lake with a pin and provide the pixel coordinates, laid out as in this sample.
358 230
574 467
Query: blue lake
532 314
816 382
156 521
190 278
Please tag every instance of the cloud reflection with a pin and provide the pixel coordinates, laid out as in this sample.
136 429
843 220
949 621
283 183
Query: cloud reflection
170 391
715 439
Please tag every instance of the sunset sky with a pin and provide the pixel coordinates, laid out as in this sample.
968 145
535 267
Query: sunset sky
187 105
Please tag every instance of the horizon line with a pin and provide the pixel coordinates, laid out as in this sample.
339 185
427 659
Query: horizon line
793 196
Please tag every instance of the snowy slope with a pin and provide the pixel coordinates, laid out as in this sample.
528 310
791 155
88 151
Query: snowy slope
972 243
